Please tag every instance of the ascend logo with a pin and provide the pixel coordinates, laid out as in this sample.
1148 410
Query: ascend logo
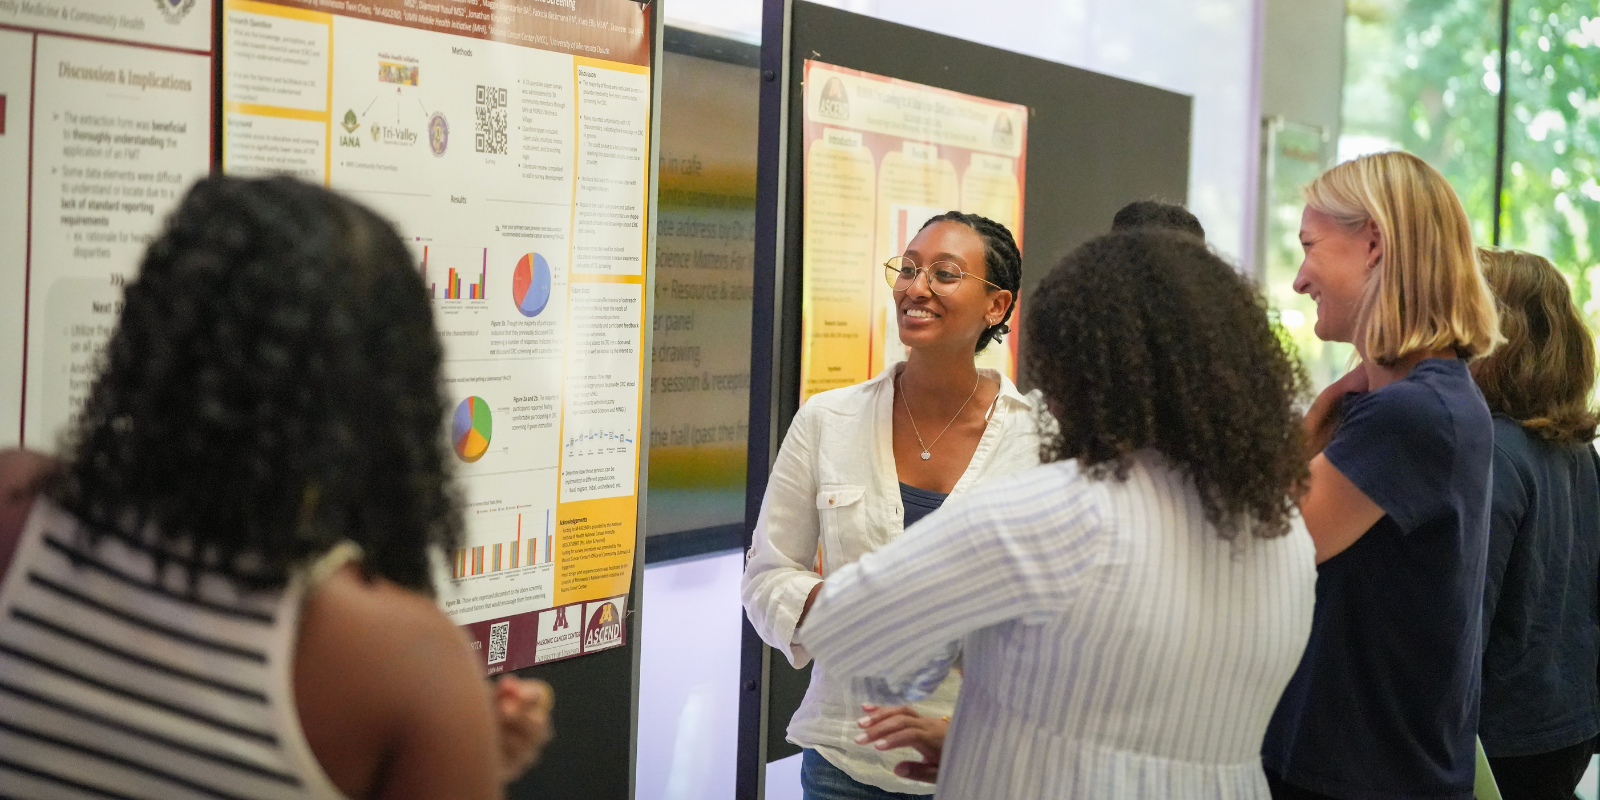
1005 135
604 628
835 102
350 125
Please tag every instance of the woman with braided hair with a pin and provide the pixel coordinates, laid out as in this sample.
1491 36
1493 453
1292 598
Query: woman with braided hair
861 464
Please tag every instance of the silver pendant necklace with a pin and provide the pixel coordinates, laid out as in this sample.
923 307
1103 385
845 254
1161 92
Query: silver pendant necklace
927 447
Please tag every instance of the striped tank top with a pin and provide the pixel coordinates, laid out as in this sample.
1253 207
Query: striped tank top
119 684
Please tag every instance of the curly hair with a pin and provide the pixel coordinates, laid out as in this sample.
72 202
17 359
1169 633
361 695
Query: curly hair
1001 259
1146 339
1156 214
1543 375
270 390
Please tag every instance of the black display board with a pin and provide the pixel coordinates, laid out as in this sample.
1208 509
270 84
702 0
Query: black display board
1094 144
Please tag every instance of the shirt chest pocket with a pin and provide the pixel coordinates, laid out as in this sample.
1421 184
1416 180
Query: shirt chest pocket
842 514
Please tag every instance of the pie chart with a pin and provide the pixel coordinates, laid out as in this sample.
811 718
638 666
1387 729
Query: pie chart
530 284
471 429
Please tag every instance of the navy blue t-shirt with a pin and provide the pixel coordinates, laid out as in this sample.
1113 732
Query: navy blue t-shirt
919 503
1384 704
1540 605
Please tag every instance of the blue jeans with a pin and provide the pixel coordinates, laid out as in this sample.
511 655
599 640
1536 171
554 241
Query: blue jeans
820 780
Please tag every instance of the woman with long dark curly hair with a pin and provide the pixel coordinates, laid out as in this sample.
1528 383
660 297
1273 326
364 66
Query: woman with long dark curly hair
1129 613
1541 602
225 585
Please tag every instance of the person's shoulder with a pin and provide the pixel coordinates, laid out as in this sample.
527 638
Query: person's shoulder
1512 438
1042 490
1419 401
378 633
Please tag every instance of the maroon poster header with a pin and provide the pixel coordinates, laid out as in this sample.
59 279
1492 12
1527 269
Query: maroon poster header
613 30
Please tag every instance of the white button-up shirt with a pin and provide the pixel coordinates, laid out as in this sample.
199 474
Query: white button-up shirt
1115 646
833 496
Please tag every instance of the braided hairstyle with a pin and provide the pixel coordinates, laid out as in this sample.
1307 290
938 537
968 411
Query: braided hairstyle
1001 259
271 389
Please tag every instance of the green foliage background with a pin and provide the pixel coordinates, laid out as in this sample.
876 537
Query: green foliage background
1423 75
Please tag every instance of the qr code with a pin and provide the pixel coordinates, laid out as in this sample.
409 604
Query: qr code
491 115
499 637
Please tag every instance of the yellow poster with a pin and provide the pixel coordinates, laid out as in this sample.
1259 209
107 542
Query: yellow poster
512 152
882 156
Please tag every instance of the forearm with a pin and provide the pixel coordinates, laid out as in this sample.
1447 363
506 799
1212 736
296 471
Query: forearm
1320 420
810 599
777 594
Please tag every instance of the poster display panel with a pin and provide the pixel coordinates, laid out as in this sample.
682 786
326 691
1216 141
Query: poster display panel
509 143
883 155
705 246
105 119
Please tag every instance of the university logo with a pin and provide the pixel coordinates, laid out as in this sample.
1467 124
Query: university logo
438 133
561 619
175 10
835 103
604 628
1004 134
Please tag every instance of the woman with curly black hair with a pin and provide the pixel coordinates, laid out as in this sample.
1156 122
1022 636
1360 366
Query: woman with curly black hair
1129 613
225 585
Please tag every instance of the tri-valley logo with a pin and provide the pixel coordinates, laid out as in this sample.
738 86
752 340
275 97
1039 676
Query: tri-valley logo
392 135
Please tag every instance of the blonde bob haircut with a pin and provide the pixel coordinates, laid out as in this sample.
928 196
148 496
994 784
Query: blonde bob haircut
1427 292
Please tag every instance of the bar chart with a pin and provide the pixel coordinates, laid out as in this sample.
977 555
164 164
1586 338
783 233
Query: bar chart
523 551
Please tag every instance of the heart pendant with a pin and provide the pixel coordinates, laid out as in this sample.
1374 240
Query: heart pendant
926 455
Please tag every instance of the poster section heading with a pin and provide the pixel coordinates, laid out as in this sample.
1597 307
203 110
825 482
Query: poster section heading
177 24
118 132
518 176
613 30
882 156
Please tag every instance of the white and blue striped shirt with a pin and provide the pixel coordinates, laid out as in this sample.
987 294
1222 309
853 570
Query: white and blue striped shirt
1114 644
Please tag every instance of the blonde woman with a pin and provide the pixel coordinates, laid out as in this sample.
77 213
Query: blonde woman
861 464
1385 702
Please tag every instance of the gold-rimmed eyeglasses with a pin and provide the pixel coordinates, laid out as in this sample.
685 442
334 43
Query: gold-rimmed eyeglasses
944 277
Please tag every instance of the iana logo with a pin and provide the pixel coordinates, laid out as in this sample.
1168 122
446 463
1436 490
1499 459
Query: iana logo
835 103
350 124
175 10
604 628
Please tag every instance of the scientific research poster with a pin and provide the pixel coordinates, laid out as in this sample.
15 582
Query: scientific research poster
508 140
881 157
105 119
